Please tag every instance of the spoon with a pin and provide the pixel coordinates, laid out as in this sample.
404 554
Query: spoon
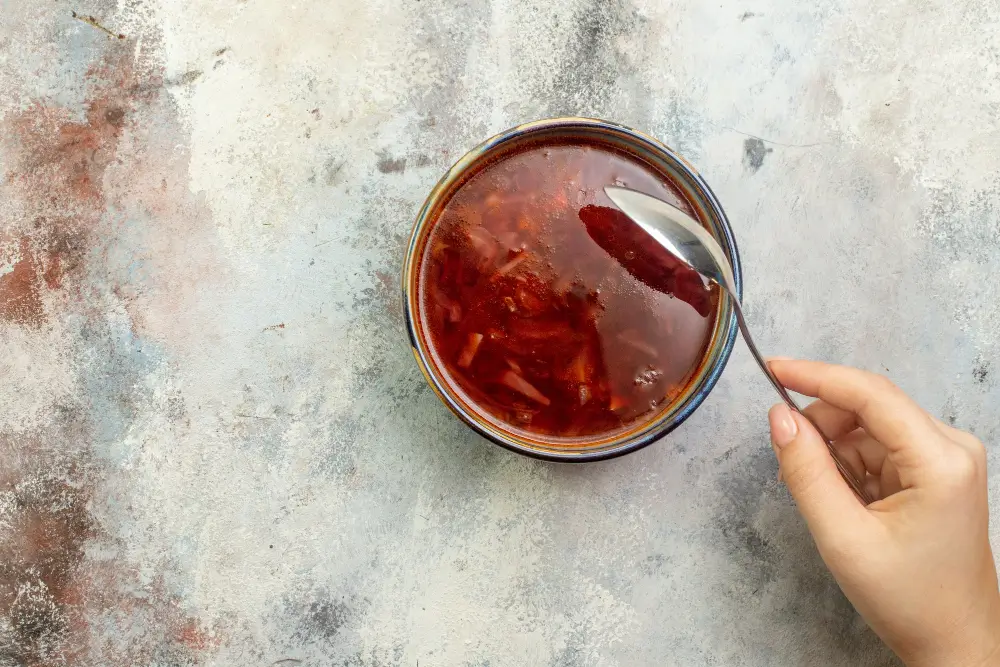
692 244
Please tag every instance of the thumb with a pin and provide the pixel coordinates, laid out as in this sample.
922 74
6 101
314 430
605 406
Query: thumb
824 499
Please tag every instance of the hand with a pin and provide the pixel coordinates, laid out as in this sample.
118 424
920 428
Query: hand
916 563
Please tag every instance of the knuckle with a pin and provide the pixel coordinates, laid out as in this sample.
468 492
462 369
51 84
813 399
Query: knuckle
976 450
963 467
881 383
976 446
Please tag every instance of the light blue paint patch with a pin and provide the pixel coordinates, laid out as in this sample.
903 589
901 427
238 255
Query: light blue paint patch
118 254
61 76
114 364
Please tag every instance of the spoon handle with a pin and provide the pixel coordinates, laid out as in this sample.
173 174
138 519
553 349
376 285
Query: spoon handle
845 472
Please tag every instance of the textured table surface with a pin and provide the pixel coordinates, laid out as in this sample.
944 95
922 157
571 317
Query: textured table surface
215 447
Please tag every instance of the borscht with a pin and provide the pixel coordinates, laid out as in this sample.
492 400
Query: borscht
539 305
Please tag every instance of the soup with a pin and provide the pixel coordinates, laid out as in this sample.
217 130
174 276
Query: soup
528 314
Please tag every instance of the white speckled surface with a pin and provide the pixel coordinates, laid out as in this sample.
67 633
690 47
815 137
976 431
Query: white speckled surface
215 447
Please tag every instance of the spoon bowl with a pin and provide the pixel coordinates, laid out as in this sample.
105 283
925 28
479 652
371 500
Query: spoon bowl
678 233
684 238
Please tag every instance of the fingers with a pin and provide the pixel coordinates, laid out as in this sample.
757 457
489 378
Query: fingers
880 475
832 422
825 500
889 415
850 457
889 482
869 451
873 486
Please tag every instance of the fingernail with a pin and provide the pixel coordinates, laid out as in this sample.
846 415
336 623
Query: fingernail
770 359
783 426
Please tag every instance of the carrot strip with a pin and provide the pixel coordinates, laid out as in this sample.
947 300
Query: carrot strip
522 386
484 244
579 368
470 349
509 266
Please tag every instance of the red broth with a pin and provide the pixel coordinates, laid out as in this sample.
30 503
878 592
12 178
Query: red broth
532 318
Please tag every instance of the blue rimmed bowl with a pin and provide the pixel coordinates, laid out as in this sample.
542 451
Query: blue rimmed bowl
706 207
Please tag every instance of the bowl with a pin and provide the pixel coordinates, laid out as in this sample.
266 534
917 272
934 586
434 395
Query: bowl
515 378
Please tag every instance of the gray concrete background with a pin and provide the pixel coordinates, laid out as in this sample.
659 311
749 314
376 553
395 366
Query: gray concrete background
215 447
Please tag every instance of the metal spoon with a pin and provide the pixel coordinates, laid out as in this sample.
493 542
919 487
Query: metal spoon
692 244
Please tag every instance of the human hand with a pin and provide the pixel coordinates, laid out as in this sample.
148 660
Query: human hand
917 562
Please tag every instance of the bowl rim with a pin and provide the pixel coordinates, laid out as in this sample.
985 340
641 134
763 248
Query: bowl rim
654 430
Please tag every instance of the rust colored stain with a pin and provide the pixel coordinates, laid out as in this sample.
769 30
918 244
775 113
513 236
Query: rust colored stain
193 636
20 292
59 605
46 526
57 173
69 157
